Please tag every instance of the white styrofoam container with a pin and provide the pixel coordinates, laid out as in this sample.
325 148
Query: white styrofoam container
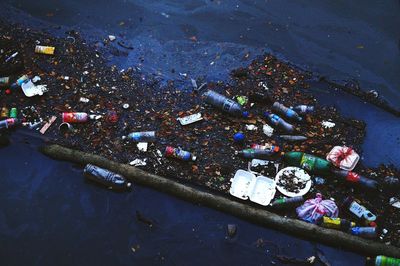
246 185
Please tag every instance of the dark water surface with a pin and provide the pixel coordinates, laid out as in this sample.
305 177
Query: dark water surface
340 39
50 216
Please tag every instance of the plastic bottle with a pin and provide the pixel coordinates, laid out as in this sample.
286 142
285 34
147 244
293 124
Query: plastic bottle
383 261
179 154
367 232
289 113
8 123
304 109
355 178
292 138
337 223
277 121
308 162
285 202
19 82
13 113
256 153
77 117
105 177
267 146
223 103
357 209
387 261
144 136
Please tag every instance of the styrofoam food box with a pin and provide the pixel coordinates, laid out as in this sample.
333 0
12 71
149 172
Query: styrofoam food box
246 185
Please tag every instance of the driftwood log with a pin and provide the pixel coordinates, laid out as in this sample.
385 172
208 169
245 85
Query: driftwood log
228 205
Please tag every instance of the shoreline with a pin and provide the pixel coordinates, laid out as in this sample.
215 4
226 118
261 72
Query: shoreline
104 137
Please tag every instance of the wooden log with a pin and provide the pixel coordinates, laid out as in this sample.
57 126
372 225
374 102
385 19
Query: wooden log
228 204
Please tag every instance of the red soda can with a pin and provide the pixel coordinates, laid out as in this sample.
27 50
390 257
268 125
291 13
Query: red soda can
75 117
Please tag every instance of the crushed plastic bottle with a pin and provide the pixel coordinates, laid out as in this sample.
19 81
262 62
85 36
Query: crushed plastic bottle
144 136
177 153
279 122
289 113
105 177
223 103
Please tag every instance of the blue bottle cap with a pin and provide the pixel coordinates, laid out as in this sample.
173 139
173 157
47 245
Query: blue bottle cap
266 114
245 114
239 137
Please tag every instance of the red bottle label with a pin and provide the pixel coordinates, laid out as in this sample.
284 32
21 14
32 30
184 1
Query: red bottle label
353 177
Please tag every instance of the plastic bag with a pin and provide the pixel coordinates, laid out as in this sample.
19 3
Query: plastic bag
313 209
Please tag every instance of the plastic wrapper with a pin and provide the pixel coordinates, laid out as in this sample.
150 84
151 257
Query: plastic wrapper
314 209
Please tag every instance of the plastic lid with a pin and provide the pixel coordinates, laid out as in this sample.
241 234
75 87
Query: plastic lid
266 114
245 114
194 158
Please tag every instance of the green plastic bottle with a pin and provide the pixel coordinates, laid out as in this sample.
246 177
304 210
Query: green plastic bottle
308 162
386 261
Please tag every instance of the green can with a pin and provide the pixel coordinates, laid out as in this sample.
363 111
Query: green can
13 113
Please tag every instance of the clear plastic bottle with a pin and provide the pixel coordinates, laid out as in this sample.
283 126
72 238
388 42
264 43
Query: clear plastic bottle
144 136
105 177
286 111
223 103
279 122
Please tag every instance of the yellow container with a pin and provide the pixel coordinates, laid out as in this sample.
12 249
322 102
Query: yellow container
44 49
4 112
337 223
